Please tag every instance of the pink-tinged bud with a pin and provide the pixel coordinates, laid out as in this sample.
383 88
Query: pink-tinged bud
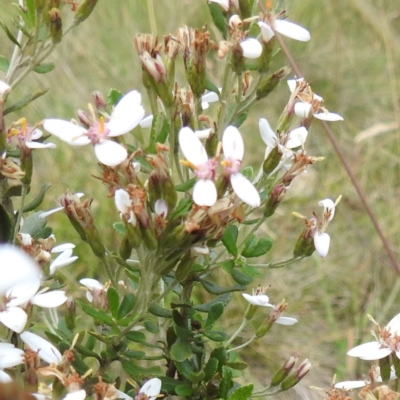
84 119
99 100
275 197
304 246
295 377
284 371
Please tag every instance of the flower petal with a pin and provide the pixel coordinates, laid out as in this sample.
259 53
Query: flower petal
191 147
302 109
146 122
62 247
110 153
328 116
22 292
4 377
204 193
151 388
122 200
223 3
38 145
369 351
286 321
266 31
267 134
67 131
91 284
14 318
203 134
251 48
292 30
161 207
245 190
348 385
65 258
80 395
232 143
329 207
16 266
52 299
321 243
394 325
292 83
126 115
45 349
297 137
259 300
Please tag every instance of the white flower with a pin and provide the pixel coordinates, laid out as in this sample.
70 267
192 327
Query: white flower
10 356
321 239
46 351
126 115
64 258
260 299
309 103
204 191
151 388
387 343
16 266
291 30
233 148
266 31
124 204
251 48
94 288
161 208
348 385
209 97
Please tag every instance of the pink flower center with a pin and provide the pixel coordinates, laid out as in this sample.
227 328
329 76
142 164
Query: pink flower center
231 165
207 170
98 131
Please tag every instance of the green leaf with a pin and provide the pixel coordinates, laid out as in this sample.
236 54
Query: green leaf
185 368
33 224
217 290
37 201
251 271
248 172
182 333
97 314
184 390
227 265
241 278
24 101
86 352
237 365
6 225
126 306
206 307
9 34
119 227
113 97
237 122
211 87
139 373
159 311
210 369
4 64
242 393
136 336
134 354
221 355
215 312
30 11
229 239
251 221
256 248
181 350
113 301
44 233
44 68
185 186
218 18
215 336
226 382
182 208
151 326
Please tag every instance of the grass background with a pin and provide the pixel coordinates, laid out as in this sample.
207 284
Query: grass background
352 60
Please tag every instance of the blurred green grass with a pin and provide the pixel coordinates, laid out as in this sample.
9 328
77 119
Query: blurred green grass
352 60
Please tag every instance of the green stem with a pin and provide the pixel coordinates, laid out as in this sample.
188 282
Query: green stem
235 335
107 267
165 292
243 345
24 192
279 264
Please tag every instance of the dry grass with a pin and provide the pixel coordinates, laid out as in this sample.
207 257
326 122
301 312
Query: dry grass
352 60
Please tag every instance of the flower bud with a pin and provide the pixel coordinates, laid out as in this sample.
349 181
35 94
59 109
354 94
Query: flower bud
184 267
99 100
55 25
84 10
294 378
272 161
284 371
84 119
70 313
385 368
269 83
273 200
